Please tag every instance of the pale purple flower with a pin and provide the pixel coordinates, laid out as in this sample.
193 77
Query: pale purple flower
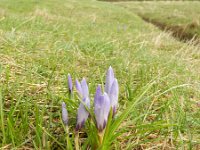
113 95
83 114
109 80
64 114
112 89
101 108
70 85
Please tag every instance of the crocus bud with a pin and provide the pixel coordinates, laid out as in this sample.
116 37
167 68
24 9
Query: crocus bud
114 92
109 80
70 85
64 114
112 89
85 90
83 114
101 109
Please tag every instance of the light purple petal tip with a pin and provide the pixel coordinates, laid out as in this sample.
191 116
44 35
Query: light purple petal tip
64 114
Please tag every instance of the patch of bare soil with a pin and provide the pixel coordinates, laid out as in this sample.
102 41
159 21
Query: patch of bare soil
179 32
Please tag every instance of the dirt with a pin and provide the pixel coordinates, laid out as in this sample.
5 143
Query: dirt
179 32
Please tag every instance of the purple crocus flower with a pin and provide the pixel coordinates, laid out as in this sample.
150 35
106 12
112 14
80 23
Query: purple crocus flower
70 85
109 80
64 114
101 108
83 92
114 92
112 89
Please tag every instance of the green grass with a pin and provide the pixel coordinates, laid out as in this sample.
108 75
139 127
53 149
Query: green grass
182 16
42 41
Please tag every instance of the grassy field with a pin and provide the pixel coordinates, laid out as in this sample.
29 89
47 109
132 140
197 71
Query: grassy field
42 41
181 17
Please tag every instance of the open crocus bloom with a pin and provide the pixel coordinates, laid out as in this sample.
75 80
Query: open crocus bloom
64 114
101 108
112 89
83 92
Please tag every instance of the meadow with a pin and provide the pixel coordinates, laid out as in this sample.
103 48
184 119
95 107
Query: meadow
42 41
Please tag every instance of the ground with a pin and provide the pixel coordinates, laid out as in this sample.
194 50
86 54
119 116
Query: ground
42 41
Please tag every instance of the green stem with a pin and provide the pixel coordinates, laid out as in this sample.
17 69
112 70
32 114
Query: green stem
67 137
70 95
76 140
107 130
100 137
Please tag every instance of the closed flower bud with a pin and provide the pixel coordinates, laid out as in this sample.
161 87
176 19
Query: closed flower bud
83 114
101 109
70 85
112 89
64 114
114 92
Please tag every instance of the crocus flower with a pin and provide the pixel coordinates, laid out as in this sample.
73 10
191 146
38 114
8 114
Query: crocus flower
109 80
101 108
112 89
83 114
64 114
114 92
70 85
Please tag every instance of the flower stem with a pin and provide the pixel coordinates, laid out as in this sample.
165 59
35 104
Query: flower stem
70 95
67 137
100 137
107 130
76 140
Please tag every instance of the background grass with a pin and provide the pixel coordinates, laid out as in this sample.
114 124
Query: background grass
42 41
182 16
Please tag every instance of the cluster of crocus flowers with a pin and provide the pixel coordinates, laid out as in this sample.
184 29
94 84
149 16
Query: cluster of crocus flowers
104 101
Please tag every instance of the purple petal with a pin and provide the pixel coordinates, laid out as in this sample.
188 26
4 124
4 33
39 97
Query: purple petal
83 114
70 83
114 92
85 91
79 88
109 79
81 117
87 102
97 95
106 105
102 108
64 114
